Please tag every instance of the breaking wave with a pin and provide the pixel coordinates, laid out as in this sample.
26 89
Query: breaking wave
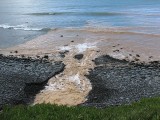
23 27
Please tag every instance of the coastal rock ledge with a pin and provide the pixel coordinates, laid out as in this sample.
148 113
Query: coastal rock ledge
22 78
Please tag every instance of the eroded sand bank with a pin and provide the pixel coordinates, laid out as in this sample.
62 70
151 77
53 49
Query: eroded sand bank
71 87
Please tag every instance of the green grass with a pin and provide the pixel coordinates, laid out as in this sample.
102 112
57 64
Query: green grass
146 109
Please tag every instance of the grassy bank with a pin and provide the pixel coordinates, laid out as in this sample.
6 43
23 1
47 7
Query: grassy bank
146 109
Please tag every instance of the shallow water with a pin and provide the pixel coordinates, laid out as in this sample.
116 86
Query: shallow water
20 19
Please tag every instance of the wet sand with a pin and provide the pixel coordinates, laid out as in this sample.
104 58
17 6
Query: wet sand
107 40
72 87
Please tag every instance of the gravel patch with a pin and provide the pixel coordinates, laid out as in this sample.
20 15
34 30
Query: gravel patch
22 78
117 82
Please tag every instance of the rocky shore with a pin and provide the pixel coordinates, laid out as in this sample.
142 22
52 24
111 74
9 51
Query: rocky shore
22 78
114 81
117 82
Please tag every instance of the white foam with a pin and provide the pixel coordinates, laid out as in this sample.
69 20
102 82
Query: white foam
80 47
75 79
20 27
65 48
59 86
118 55
83 47
54 86
32 29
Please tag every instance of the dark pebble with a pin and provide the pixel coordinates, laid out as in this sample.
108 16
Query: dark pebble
116 51
22 56
136 59
62 54
46 56
78 56
137 55
66 51
38 56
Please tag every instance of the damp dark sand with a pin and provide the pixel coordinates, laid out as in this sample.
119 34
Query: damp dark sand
121 83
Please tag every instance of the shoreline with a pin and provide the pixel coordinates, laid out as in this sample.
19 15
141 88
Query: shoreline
72 87
115 42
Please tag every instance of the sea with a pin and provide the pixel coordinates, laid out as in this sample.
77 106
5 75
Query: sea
23 20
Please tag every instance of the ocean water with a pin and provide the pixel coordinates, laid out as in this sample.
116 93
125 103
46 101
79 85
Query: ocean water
22 20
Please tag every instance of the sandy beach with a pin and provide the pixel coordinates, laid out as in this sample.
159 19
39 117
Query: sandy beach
71 87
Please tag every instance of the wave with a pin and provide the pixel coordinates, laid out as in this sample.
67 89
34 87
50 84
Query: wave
22 27
45 13
103 13
95 14
77 13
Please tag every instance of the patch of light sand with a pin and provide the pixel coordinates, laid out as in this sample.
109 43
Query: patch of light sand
118 55
70 87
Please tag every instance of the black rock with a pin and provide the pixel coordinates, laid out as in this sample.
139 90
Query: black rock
137 55
136 59
78 56
38 56
22 56
116 51
62 54
46 56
